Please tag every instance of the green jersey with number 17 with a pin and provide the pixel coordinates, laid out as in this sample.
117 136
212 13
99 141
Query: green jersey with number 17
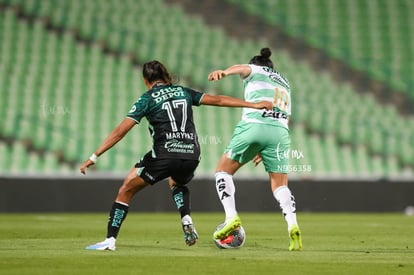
266 84
168 109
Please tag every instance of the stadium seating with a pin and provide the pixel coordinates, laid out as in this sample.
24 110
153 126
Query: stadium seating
58 88
374 36
62 85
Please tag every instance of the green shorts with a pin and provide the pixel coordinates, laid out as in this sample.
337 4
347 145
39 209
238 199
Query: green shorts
272 142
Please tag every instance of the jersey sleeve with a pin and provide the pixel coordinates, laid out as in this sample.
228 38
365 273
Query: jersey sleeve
196 96
139 109
255 69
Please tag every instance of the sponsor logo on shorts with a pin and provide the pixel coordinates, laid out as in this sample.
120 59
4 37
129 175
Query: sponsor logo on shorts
149 176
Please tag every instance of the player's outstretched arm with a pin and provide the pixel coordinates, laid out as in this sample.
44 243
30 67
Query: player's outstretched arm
116 135
242 70
227 101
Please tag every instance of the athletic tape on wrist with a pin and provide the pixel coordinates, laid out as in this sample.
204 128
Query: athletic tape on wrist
93 158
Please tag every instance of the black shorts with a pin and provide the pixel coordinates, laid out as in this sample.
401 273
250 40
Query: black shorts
153 170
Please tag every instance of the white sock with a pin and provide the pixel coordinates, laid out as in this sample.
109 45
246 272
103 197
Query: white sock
226 190
287 203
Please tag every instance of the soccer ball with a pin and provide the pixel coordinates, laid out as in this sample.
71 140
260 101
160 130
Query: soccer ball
235 239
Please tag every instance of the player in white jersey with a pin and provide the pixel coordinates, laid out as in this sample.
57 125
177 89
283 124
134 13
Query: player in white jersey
259 136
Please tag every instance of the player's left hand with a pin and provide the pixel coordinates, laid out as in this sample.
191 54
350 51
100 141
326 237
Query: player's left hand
85 165
257 159
216 75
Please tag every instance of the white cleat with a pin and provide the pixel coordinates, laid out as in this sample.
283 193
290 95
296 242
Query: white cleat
107 244
190 234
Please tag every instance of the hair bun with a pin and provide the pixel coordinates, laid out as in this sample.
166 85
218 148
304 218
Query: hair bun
265 52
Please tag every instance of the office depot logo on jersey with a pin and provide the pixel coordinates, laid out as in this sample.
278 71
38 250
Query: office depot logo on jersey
167 93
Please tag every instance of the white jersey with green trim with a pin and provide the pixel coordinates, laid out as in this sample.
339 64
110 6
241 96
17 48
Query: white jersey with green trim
266 84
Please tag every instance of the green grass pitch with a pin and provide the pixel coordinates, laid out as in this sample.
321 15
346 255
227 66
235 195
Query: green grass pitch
152 243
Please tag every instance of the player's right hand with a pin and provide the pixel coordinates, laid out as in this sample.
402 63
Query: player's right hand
264 105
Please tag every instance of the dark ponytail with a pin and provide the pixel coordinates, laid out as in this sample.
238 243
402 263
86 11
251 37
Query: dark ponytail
154 71
263 59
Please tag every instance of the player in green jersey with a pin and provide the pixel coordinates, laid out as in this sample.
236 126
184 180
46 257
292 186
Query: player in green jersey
175 153
261 135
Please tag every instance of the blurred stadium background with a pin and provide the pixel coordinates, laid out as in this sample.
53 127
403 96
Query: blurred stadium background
71 70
